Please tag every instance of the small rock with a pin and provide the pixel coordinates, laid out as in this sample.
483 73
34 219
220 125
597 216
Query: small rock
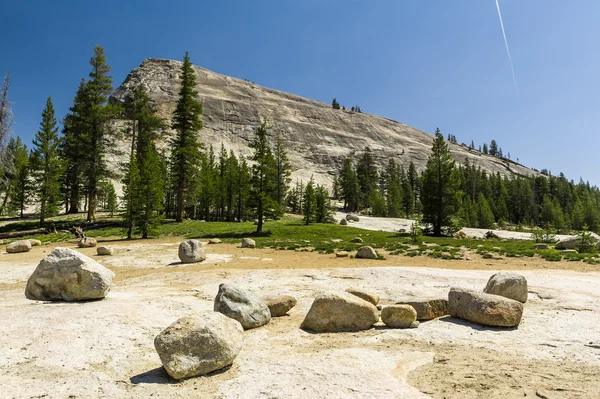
509 285
485 309
280 305
18 246
352 218
336 240
105 251
398 316
368 296
242 305
35 243
414 324
344 222
446 255
214 241
199 344
540 246
248 243
191 251
340 312
87 242
356 240
341 254
428 309
366 253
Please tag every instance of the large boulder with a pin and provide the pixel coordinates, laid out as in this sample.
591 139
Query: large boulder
509 285
568 243
191 251
280 305
87 242
428 309
352 218
340 312
242 305
68 275
366 253
199 344
18 246
485 309
248 243
399 316
366 295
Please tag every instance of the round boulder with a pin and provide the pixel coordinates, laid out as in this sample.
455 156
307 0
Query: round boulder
199 344
248 243
366 253
18 246
280 305
87 242
70 276
509 285
399 316
242 305
105 251
191 251
340 312
344 222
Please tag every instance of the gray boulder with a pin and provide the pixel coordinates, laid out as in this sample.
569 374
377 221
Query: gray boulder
428 309
248 243
366 253
399 316
352 218
509 285
356 240
191 251
105 251
199 344
242 305
68 275
568 243
280 305
340 312
366 295
87 242
485 309
18 246
344 222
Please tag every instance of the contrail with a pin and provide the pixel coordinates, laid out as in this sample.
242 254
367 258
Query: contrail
506 44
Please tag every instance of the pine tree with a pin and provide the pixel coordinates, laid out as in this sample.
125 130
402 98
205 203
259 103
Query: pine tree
485 217
20 186
493 148
485 148
323 213
335 104
46 165
408 198
283 169
366 172
111 200
264 175
439 192
243 189
187 122
309 200
349 186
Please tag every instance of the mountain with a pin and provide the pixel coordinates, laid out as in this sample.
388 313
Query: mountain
318 136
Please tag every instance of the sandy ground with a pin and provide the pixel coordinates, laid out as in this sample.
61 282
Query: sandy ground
104 349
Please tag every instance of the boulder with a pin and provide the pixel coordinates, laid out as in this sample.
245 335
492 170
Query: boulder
568 243
191 251
352 218
344 222
341 254
199 344
248 243
485 309
509 285
366 253
105 251
68 275
214 241
340 312
280 305
399 316
428 309
460 234
356 240
368 296
540 245
570 251
18 246
87 242
242 305
35 243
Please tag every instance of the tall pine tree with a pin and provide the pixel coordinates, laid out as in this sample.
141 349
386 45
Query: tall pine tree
263 192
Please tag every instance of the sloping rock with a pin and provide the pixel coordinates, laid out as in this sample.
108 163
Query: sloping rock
191 251
18 246
105 251
399 316
70 276
242 305
366 253
199 344
248 243
509 285
428 309
368 296
87 242
340 312
280 305
485 309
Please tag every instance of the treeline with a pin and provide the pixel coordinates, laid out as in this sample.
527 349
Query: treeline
450 195
184 180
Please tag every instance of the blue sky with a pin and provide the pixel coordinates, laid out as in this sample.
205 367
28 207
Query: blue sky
428 64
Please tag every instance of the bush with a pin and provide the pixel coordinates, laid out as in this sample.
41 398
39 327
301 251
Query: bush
543 236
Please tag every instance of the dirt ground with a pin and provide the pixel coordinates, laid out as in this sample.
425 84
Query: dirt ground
105 348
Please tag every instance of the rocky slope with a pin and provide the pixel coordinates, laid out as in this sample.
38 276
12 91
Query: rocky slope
319 137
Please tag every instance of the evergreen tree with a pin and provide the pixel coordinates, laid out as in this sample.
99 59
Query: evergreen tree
309 202
335 104
323 212
111 200
493 148
485 148
283 169
485 217
378 206
349 186
187 122
19 188
46 165
439 193
408 198
243 189
295 198
366 172
264 176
